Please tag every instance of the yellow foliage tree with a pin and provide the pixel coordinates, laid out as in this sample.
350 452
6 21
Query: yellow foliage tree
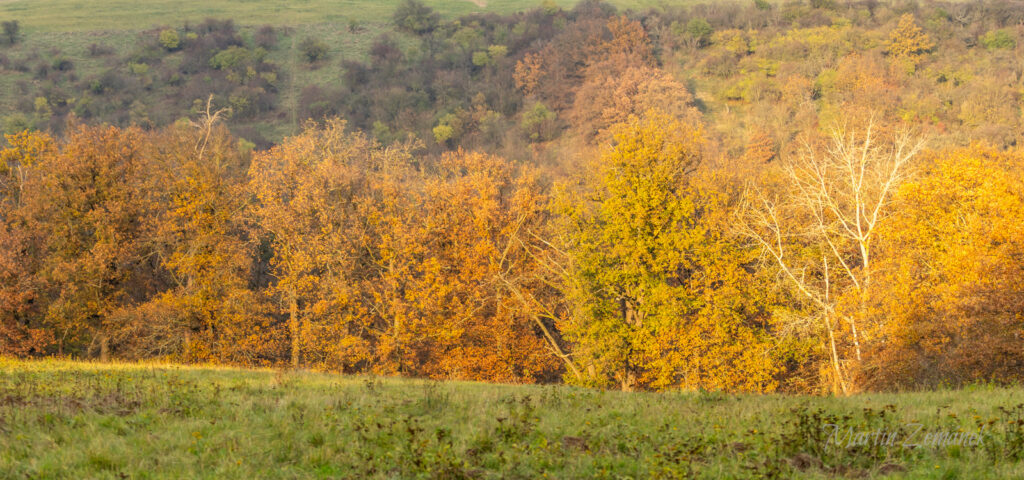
658 295
907 40
950 299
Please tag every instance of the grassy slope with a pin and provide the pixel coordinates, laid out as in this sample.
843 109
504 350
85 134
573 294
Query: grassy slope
67 28
93 15
61 419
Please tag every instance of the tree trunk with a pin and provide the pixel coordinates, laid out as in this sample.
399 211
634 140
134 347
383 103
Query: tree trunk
104 349
838 386
627 380
293 324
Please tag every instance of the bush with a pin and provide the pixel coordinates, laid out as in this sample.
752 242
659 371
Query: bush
998 39
62 64
699 30
265 37
11 30
539 122
169 39
415 17
234 58
314 49
246 102
97 50
42 71
481 59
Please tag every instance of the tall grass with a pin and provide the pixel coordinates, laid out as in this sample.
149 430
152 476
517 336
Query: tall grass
61 419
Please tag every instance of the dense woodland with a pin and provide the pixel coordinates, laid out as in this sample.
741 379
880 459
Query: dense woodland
801 197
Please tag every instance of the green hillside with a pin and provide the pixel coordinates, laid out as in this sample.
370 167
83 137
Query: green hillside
113 15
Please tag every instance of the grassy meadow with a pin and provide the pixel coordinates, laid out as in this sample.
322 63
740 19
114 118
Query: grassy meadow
62 419
99 15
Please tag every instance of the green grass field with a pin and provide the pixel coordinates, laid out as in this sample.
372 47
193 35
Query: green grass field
60 419
98 15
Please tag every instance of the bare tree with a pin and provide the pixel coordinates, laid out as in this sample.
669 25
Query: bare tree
819 233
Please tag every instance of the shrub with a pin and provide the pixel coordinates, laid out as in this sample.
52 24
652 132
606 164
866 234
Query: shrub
11 30
314 49
415 17
138 68
998 39
233 58
97 50
42 71
169 39
63 64
539 122
481 59
246 101
699 30
265 37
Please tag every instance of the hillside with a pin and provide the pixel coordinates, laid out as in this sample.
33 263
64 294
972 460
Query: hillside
73 31
78 420
744 65
122 15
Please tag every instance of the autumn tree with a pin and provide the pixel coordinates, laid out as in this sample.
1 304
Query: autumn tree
201 241
948 296
310 192
908 41
448 292
393 264
87 198
22 329
643 269
818 229
610 97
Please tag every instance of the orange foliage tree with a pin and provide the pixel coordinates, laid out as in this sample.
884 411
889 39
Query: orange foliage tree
443 259
212 313
87 198
311 205
950 299
22 331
